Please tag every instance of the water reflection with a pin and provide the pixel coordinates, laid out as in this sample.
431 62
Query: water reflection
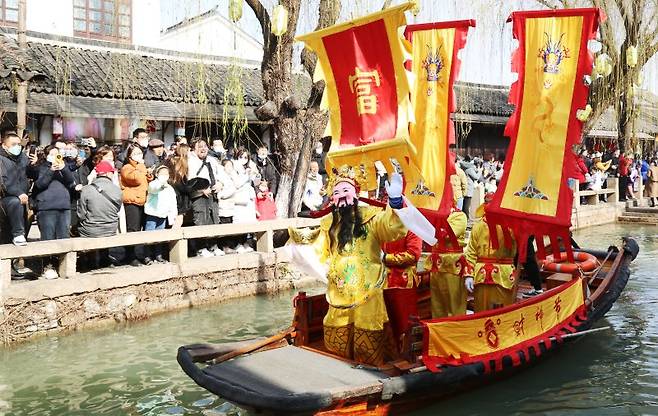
130 369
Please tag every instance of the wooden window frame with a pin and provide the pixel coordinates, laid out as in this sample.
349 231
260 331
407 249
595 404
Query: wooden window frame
115 37
3 14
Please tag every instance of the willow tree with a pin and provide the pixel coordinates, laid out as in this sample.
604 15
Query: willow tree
297 121
630 38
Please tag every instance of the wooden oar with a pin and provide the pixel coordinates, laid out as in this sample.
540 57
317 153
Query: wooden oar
256 345
575 334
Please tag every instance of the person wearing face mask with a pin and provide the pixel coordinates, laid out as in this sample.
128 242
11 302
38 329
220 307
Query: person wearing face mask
161 207
141 139
155 154
134 184
218 151
245 166
349 240
14 170
266 168
53 202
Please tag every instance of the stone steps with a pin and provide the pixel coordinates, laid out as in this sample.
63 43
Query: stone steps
642 210
635 219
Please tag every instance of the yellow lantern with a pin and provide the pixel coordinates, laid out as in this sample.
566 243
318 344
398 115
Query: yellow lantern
584 114
235 10
279 20
631 56
603 65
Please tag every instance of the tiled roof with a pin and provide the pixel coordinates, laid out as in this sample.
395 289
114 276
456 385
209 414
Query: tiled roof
12 60
482 99
124 75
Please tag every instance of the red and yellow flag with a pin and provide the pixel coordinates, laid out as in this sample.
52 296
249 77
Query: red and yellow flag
552 59
435 67
492 334
367 91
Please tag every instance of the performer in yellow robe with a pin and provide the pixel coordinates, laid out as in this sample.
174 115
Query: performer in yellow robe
490 273
448 267
350 241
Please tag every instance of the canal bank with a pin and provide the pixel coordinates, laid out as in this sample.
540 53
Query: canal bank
82 300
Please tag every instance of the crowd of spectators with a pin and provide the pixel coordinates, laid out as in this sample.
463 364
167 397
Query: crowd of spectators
81 189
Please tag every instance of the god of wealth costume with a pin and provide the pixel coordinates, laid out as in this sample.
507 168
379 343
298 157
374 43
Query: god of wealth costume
490 273
354 324
400 259
448 267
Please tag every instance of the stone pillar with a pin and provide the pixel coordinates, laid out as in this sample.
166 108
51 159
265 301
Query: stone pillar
117 130
265 241
5 279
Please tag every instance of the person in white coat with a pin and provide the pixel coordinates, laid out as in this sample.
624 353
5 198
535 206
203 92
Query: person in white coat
161 207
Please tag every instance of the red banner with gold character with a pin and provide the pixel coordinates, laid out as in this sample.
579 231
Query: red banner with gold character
367 91
552 59
490 335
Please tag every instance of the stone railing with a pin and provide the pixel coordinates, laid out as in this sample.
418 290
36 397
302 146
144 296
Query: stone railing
71 281
610 194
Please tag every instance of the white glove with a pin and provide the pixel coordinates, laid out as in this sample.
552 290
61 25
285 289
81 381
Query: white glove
394 186
470 284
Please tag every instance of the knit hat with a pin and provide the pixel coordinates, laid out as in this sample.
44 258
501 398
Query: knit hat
104 166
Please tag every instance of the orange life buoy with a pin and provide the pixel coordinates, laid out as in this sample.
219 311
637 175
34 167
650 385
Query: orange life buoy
584 261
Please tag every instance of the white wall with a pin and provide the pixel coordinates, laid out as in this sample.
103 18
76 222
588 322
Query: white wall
146 22
213 36
50 16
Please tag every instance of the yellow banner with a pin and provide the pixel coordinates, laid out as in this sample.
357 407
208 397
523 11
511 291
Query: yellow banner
432 52
477 335
552 48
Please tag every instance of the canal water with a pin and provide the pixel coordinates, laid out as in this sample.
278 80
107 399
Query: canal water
131 369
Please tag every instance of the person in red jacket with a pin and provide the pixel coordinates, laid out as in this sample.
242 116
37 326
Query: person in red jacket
624 170
400 259
265 206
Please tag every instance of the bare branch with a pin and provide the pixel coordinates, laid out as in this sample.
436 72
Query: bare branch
552 4
261 13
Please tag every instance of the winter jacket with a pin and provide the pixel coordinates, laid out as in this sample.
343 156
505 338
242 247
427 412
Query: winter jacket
265 206
268 172
14 173
244 200
134 183
644 170
577 168
312 197
471 177
182 196
52 188
161 201
459 184
98 212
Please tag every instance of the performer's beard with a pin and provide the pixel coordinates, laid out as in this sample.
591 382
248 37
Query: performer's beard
347 225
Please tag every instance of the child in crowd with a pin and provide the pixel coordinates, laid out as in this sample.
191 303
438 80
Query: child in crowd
265 206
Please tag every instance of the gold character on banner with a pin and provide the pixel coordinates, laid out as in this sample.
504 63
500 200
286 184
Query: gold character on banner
490 334
518 326
361 84
539 316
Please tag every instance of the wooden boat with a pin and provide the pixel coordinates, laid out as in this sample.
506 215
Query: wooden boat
291 373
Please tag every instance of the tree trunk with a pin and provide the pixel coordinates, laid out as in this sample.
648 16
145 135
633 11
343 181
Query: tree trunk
295 130
21 93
